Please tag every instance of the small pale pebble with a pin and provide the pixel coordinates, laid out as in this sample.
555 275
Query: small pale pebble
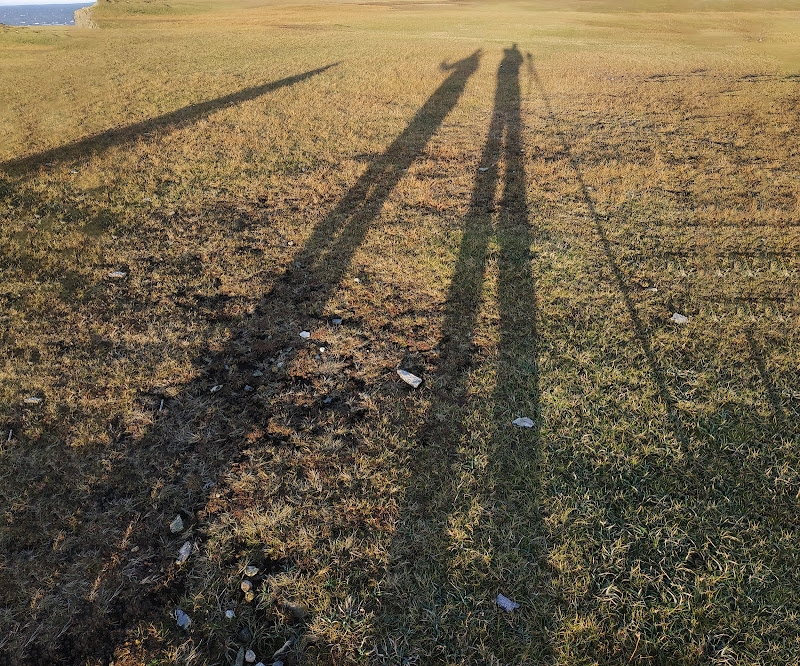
337 321
317 357
679 318
523 422
147 199
32 401
322 350
409 378
260 663
249 656
328 401
249 596
184 552
117 274
230 614
176 525
305 335
250 570
277 663
258 373
216 388
246 586
506 604
183 619
652 290
357 280
248 388
483 169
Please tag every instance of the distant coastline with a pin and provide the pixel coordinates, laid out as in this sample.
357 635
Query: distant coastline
62 14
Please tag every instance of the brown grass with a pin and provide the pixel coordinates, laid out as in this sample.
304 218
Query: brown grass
491 217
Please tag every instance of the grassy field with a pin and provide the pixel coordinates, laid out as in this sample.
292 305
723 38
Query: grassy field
508 199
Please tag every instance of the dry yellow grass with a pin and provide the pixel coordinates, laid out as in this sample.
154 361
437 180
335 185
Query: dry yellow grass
509 200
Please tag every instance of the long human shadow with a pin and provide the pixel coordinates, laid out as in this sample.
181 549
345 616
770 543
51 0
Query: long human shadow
319 266
169 444
639 329
508 488
121 136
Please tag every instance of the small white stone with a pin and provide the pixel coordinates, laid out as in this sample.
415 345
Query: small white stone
249 656
32 400
117 274
216 388
483 169
409 378
246 586
184 552
336 321
176 525
322 350
678 318
305 335
249 388
183 619
230 614
258 373
506 604
251 571
523 422
358 280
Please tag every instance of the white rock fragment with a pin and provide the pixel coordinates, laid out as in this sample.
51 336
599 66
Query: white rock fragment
409 378
483 169
33 400
261 663
246 586
652 290
184 552
248 388
230 614
183 619
322 350
250 570
357 280
327 400
176 525
336 322
523 422
305 335
258 373
678 318
249 656
506 604
117 274
216 388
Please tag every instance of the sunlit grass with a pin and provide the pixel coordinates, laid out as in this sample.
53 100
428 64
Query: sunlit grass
519 237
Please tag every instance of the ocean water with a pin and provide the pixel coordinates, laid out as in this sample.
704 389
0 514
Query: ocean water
40 14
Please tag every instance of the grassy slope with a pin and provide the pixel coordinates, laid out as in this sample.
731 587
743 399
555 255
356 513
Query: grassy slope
649 517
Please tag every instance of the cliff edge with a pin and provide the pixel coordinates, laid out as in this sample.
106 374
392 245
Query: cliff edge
83 17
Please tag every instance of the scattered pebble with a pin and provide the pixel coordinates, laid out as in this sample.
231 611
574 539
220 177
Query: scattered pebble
322 350
679 318
251 571
176 525
246 586
184 552
147 199
248 388
506 604
358 280
409 378
32 400
260 663
327 401
183 619
239 657
249 656
483 169
277 663
523 422
216 388
258 373
337 321
652 289
230 614
117 274
305 335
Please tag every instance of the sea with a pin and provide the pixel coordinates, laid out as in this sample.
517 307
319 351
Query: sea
40 14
